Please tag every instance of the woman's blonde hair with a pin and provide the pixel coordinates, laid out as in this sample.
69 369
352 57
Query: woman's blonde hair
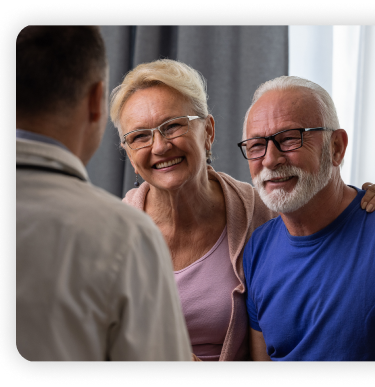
177 75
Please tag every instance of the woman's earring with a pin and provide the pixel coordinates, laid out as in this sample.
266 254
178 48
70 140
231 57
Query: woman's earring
208 155
136 183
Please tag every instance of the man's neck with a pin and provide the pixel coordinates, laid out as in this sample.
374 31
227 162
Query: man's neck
28 135
322 209
65 130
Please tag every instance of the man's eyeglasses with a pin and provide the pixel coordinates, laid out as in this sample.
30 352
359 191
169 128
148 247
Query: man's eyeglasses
285 141
175 127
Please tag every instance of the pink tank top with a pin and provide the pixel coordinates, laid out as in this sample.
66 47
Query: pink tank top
205 289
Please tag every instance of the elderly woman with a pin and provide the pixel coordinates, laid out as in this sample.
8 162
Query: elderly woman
206 217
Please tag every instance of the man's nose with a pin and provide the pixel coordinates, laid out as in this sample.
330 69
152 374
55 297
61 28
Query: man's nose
273 157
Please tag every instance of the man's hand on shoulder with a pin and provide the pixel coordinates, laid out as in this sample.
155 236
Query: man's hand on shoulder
368 200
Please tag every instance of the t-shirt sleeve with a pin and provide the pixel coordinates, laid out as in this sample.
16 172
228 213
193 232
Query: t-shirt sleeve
252 312
250 306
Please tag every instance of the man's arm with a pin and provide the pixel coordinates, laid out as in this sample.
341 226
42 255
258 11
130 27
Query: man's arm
150 323
258 347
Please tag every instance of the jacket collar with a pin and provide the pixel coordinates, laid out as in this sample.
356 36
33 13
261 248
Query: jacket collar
41 154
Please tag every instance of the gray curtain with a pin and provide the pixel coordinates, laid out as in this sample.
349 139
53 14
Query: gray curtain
235 60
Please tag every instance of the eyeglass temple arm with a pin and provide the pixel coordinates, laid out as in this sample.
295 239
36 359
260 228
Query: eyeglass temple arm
311 129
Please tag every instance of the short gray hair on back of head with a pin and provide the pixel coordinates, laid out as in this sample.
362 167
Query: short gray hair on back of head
324 100
176 75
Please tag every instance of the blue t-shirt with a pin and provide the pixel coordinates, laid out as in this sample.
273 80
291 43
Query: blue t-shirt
313 297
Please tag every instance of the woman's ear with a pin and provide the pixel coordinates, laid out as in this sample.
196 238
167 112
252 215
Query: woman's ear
128 153
135 169
210 131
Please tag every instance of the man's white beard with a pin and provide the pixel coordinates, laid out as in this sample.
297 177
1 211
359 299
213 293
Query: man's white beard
308 184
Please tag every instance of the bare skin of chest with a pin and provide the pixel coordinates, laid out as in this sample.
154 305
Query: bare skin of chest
191 228
188 247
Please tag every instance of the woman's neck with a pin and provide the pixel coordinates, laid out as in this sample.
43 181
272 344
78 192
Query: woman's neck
185 208
191 219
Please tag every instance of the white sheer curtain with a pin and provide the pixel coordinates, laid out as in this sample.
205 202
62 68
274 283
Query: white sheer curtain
342 60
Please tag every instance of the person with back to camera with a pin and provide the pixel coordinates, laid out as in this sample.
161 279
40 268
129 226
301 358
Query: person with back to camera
205 216
309 272
94 277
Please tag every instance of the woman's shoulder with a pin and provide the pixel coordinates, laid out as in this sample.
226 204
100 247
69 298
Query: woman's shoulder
129 197
136 197
235 190
241 187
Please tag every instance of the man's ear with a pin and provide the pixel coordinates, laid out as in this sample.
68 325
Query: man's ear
96 106
339 142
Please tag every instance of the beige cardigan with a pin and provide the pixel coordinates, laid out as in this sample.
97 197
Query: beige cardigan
245 212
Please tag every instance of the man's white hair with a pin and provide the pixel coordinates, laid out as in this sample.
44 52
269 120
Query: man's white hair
324 100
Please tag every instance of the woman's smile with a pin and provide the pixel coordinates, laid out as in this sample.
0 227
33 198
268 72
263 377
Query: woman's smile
169 163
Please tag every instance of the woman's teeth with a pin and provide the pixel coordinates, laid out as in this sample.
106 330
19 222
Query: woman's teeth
168 163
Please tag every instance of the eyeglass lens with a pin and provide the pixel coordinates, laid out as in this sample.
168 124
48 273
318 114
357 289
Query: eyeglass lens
288 140
170 129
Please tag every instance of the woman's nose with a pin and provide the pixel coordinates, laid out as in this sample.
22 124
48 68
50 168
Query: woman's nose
160 144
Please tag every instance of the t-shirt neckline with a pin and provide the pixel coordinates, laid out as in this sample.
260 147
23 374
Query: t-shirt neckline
313 238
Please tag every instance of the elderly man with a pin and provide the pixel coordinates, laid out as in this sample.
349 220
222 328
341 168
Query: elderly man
94 276
309 272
